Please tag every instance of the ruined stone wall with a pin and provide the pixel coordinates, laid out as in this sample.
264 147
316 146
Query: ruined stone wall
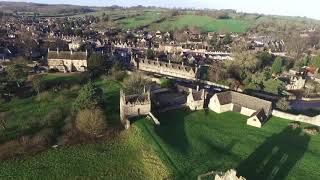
137 110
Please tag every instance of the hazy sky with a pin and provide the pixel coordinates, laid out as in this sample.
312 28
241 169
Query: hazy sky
308 8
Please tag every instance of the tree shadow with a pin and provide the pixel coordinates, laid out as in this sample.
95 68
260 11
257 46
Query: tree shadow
275 158
172 129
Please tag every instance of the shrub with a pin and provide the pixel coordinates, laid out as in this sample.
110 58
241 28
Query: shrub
60 99
9 149
118 75
75 87
44 97
135 84
53 117
276 67
91 121
43 138
283 104
166 83
89 97
38 83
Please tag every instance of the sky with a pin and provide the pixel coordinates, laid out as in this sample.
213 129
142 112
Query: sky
307 8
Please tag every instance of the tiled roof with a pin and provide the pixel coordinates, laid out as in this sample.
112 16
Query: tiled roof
169 65
244 101
197 95
261 115
67 55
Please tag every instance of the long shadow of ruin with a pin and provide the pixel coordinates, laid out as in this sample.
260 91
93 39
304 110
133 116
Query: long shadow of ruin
275 158
172 129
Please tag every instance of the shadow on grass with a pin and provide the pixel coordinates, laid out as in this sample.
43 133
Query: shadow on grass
172 129
111 105
275 158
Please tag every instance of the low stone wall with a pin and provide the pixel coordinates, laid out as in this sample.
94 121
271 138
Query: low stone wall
301 118
218 85
155 120
311 99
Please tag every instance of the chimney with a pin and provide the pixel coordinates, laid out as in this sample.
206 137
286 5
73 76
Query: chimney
71 52
169 61
197 87
57 50
182 63
87 52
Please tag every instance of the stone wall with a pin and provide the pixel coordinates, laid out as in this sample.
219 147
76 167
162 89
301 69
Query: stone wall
246 111
70 65
301 118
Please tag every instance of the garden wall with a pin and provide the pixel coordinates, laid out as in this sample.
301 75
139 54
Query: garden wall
301 118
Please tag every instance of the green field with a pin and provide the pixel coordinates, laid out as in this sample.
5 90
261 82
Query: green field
140 21
185 145
205 23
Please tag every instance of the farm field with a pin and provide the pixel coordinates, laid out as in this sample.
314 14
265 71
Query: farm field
140 21
205 23
185 145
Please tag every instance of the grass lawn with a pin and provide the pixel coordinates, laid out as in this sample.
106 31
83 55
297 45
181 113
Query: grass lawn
185 145
27 116
123 157
193 143
205 23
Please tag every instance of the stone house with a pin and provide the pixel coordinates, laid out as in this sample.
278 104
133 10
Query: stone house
65 61
166 68
257 109
133 106
195 99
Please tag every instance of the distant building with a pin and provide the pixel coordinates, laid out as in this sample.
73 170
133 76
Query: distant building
65 61
257 109
166 68
133 106
195 99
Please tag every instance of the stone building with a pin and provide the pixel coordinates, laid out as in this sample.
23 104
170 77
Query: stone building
229 175
75 45
65 61
296 83
195 99
166 68
133 106
257 109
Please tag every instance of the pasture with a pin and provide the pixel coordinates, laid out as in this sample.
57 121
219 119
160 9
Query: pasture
205 23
